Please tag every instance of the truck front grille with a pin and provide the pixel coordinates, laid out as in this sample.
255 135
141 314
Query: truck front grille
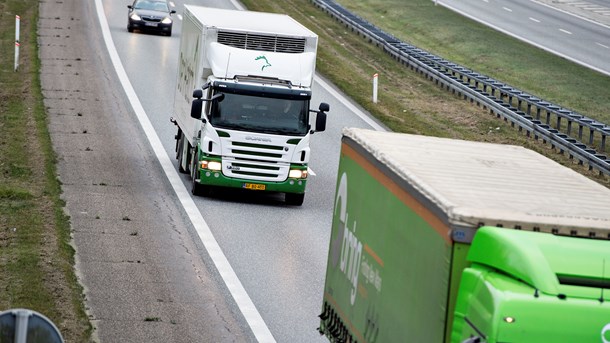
261 162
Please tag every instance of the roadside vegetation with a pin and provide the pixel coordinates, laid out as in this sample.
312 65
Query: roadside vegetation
36 258
409 103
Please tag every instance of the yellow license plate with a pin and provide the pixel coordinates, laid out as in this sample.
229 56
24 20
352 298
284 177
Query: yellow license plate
254 186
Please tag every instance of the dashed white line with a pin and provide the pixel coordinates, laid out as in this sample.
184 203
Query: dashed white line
602 45
507 9
565 31
534 19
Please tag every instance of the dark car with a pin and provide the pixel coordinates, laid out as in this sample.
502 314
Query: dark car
150 15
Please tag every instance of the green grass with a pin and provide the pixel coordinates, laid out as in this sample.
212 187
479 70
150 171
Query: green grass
410 103
36 259
473 45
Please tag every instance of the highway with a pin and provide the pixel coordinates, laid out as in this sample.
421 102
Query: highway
277 252
193 246
576 30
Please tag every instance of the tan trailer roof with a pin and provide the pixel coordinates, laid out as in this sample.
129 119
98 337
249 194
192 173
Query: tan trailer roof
475 182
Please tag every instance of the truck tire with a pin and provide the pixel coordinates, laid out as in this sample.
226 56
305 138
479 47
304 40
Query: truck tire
182 154
295 199
197 188
178 138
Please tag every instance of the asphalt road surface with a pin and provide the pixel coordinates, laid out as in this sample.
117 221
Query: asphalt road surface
576 30
150 272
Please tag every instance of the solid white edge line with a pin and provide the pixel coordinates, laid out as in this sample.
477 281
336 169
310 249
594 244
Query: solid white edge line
599 70
245 304
570 13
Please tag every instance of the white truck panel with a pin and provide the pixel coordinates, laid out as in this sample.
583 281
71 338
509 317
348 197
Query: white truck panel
474 182
201 55
230 62
264 23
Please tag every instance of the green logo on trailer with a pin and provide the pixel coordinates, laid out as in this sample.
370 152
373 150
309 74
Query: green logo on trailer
267 64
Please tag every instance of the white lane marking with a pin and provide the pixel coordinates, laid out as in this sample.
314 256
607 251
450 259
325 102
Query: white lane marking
534 19
497 28
243 301
487 1
573 15
171 3
603 46
507 9
180 16
565 31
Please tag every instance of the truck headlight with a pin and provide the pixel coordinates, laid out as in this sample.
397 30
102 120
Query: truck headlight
297 174
212 165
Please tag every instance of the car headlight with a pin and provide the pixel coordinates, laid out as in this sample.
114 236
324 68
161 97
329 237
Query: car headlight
167 20
297 174
135 16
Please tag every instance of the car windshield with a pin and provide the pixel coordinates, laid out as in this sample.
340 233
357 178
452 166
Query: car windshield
151 5
265 115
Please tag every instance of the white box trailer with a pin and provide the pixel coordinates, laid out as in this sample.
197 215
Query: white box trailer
250 124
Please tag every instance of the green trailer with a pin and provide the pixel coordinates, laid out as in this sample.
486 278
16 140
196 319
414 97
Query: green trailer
441 240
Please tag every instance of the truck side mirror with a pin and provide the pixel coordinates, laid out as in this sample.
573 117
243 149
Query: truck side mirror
324 107
321 121
197 94
321 117
197 108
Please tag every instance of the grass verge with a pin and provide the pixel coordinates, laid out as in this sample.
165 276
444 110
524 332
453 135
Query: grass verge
409 103
36 258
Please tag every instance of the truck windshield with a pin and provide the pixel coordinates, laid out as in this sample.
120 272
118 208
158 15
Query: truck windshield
280 116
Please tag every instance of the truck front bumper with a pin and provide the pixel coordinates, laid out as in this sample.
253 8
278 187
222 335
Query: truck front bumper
216 178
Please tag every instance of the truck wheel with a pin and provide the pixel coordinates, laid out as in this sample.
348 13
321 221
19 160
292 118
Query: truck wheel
197 188
182 154
295 199
178 138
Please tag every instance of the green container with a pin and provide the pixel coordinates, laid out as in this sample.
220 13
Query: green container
406 210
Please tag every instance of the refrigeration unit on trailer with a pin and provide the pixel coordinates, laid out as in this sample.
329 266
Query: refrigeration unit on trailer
242 101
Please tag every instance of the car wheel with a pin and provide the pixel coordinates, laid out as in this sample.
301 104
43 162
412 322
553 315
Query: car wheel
129 28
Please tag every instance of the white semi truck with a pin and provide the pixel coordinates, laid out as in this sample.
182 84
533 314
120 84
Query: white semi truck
242 101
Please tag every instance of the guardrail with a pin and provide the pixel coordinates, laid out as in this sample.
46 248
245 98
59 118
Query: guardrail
564 129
